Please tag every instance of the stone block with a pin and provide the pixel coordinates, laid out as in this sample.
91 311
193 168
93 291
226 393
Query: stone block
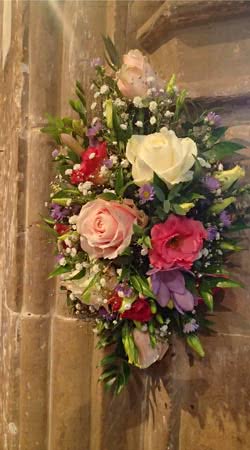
34 386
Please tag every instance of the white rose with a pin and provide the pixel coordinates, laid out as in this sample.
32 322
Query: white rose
170 157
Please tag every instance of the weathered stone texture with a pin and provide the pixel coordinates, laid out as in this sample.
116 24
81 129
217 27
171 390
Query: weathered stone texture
49 396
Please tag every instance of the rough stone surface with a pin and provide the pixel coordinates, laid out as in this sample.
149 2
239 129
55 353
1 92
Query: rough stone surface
50 398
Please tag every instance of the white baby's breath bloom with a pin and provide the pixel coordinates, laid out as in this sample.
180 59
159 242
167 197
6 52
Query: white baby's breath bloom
124 163
152 106
139 124
73 252
118 102
92 86
119 272
103 171
95 268
73 219
68 250
77 166
102 282
68 202
68 171
220 167
93 105
114 159
150 79
78 266
137 101
96 94
104 89
152 120
168 114
124 116
144 251
71 296
62 262
123 126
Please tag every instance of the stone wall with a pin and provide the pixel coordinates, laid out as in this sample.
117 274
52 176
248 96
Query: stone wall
49 395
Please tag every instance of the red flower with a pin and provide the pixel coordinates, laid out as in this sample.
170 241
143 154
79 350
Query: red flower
92 160
140 311
176 242
61 228
115 302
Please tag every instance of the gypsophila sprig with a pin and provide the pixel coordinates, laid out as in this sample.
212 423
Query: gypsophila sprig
143 209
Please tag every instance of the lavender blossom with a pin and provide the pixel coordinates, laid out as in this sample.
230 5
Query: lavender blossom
58 212
170 285
212 233
225 219
146 193
96 62
93 131
211 183
55 153
190 327
123 290
213 119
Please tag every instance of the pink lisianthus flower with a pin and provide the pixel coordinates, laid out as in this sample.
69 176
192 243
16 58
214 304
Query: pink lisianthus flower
176 243
105 228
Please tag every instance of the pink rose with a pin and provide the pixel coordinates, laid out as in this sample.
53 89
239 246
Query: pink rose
105 228
176 242
136 75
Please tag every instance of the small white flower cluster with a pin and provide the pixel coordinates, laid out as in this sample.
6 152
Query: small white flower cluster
85 188
164 329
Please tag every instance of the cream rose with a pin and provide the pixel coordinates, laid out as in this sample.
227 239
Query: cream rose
105 228
136 75
170 157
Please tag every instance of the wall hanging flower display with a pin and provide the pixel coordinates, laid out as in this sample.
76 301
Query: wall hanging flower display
144 211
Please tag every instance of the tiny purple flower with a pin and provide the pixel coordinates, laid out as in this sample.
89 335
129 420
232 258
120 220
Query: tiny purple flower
57 212
211 183
214 119
106 315
96 62
146 193
211 233
190 327
93 131
125 291
225 219
55 153
108 163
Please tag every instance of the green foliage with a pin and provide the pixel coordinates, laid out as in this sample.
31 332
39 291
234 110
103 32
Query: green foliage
111 54
140 284
194 342
116 372
222 150
59 270
129 344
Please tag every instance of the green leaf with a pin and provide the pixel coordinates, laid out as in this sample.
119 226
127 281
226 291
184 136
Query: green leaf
111 52
129 344
79 275
222 150
108 196
217 133
194 342
119 180
59 270
166 206
141 285
207 296
160 186
170 88
178 209
218 207
87 291
139 231
109 359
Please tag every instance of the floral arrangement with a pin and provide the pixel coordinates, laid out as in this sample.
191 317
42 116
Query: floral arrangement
143 209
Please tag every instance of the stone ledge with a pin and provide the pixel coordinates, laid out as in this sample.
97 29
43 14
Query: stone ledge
175 15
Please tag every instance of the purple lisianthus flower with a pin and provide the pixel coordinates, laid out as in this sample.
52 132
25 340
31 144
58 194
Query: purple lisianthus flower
225 219
106 315
211 233
96 62
58 212
213 119
93 131
170 285
146 193
55 153
211 183
191 326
